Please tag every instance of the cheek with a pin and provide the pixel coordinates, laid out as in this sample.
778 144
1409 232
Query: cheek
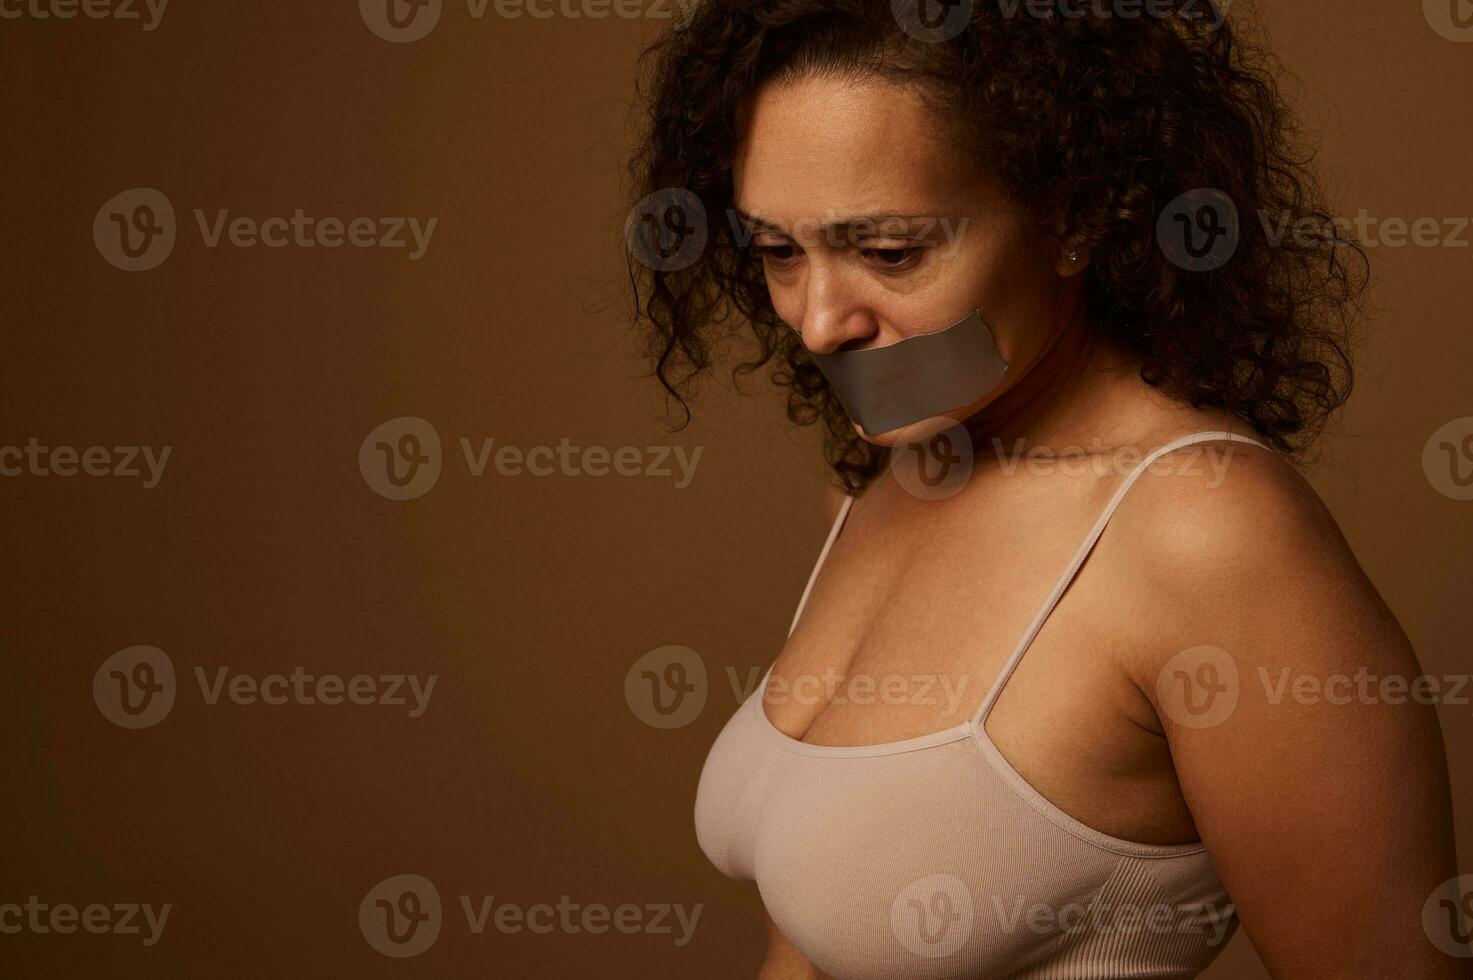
786 296
1013 283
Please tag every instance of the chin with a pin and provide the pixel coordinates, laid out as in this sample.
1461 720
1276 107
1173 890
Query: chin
915 432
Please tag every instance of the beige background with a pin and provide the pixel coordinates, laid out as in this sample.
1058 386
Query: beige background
529 776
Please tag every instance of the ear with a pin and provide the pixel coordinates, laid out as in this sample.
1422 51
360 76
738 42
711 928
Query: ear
1073 259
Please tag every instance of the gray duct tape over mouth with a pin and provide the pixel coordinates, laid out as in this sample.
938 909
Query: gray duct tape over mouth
884 388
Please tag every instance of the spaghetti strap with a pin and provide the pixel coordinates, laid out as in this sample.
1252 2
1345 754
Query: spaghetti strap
1084 550
822 555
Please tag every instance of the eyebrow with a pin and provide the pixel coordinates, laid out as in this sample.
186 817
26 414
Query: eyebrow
756 224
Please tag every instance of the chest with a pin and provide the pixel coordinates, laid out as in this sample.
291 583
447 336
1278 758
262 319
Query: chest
918 606
917 612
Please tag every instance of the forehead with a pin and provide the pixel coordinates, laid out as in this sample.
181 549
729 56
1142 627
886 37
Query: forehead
820 145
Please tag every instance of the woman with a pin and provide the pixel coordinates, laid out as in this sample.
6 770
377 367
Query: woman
1023 262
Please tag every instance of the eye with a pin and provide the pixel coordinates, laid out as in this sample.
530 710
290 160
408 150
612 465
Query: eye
779 254
893 259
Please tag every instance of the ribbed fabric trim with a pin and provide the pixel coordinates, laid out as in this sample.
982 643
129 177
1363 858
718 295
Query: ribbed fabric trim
1120 953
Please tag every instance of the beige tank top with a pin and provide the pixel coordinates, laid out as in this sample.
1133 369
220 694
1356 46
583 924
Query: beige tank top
932 858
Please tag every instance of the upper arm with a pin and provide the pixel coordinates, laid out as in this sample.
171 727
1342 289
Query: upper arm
1286 691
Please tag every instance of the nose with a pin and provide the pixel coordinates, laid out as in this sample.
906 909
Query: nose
834 318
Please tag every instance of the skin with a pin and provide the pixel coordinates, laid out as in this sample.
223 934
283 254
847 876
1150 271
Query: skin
1330 824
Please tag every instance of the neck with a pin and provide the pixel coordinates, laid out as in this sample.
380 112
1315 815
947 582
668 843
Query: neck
1070 397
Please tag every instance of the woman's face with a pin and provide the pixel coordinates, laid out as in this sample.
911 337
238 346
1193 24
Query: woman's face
872 229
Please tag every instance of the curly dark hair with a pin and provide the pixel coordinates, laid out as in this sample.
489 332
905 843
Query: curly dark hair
1095 124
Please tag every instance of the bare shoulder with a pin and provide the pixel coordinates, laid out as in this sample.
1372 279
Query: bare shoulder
1299 724
1215 503
1237 543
